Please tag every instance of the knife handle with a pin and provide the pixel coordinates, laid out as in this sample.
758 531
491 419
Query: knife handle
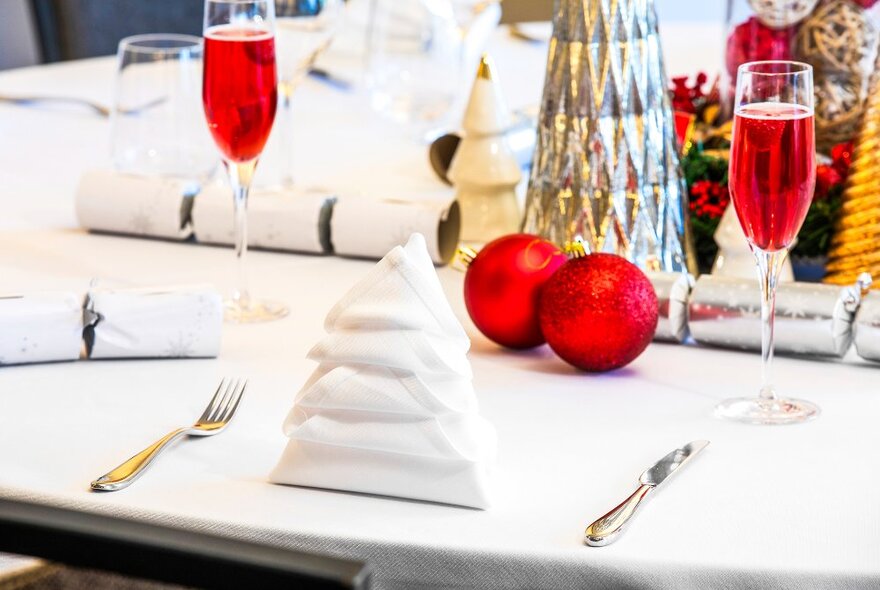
607 528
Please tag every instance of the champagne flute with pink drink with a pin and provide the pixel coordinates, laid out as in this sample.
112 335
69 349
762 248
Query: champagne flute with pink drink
772 177
239 95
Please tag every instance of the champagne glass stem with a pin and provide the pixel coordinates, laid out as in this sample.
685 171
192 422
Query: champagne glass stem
240 176
769 266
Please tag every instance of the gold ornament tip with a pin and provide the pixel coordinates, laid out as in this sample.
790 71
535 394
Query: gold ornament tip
463 258
484 70
576 248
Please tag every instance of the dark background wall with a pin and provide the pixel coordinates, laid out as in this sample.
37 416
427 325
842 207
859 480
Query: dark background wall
73 29
32 31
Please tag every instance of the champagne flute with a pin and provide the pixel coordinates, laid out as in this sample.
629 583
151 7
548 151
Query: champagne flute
239 95
772 177
303 30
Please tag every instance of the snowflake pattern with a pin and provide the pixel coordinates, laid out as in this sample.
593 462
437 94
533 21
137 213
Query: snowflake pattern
796 304
28 347
181 346
728 314
271 236
141 222
185 344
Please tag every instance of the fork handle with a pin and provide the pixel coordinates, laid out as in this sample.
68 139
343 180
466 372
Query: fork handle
26 100
129 471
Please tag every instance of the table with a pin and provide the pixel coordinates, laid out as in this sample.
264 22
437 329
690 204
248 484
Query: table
790 507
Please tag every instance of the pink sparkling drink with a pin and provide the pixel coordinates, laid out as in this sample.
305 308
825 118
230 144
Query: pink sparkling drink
772 171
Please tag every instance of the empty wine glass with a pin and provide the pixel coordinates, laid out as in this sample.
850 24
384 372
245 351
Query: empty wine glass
303 31
414 69
421 56
157 128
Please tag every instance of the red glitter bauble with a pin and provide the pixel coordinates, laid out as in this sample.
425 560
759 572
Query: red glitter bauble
502 287
598 312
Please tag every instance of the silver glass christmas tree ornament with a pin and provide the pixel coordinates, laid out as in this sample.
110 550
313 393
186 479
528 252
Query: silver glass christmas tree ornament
606 167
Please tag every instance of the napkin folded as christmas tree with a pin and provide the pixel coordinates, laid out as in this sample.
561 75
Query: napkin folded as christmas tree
391 409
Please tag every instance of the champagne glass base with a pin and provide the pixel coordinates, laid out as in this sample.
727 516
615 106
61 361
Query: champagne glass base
254 311
755 410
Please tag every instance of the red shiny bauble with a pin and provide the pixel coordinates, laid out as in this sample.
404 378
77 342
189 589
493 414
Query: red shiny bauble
502 287
598 312
755 41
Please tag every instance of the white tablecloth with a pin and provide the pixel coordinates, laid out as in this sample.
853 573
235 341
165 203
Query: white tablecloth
792 507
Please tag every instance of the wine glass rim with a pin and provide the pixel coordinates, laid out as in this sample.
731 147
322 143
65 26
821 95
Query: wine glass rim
795 67
160 43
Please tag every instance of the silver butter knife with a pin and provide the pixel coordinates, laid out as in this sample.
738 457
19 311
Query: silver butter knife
607 529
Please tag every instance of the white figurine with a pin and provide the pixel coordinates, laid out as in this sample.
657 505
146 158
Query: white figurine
735 258
484 169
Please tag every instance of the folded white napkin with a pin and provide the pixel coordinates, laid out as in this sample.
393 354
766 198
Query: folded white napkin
112 201
391 409
277 219
368 228
40 327
172 322
409 350
383 389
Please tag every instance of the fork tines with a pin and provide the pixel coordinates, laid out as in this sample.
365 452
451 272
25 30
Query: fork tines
225 401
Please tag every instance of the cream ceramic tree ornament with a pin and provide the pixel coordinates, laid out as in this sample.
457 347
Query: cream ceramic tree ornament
484 170
735 258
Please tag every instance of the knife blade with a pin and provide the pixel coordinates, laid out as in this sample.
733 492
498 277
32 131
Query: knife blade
607 529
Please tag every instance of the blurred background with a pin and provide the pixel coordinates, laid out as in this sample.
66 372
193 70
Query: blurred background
41 31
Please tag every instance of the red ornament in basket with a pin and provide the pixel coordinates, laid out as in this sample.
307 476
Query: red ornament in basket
755 41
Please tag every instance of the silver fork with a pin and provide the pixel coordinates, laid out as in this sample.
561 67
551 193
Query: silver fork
26 100
97 108
213 420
